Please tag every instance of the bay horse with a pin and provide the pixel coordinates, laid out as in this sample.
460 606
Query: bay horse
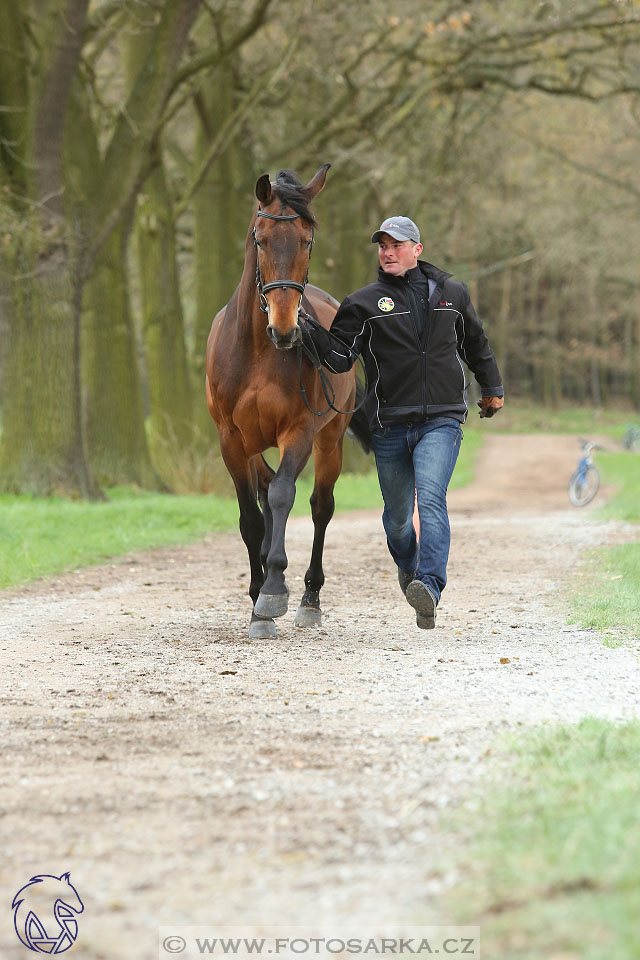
253 381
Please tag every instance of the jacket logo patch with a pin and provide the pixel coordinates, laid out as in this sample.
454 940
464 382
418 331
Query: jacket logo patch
386 304
446 303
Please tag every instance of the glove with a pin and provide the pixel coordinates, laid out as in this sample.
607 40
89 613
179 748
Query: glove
320 338
489 405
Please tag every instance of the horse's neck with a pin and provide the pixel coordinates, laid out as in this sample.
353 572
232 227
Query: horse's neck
250 318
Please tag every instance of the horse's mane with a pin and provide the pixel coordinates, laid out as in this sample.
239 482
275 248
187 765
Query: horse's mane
291 192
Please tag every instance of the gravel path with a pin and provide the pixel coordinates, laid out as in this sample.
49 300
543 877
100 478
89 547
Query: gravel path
184 774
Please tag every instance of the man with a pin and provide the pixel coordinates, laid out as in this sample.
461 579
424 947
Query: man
412 326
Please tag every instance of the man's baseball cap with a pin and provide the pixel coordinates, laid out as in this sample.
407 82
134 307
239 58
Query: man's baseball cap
400 228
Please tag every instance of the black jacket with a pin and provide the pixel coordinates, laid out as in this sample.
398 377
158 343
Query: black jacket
411 376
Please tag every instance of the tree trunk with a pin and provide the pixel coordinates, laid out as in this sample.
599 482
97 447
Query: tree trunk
533 330
113 408
170 426
113 414
500 336
222 209
595 372
42 451
126 159
552 326
13 93
42 446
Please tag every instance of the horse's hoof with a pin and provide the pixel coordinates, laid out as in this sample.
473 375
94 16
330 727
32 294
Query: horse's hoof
308 617
272 604
260 629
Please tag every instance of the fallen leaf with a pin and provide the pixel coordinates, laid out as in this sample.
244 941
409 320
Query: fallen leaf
505 660
228 673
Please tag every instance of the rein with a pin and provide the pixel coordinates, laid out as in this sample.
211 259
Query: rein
306 345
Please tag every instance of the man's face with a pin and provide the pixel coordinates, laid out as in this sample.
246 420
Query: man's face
397 256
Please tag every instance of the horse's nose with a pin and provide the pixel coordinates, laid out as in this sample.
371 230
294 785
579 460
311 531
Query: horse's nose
284 341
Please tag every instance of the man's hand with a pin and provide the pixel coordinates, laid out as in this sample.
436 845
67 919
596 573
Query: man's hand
315 336
489 405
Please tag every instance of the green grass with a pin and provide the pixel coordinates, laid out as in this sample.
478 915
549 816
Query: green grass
607 591
40 537
607 585
554 864
623 471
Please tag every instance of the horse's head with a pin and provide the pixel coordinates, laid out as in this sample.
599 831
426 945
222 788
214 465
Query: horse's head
283 235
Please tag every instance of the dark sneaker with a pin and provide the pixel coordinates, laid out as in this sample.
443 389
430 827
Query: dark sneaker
424 603
404 579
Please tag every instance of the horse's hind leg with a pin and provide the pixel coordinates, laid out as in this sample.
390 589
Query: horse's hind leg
328 464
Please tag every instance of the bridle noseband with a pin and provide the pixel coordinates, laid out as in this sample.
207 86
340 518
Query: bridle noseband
278 284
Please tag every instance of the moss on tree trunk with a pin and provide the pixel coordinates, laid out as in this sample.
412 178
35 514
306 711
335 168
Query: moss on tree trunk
170 426
113 408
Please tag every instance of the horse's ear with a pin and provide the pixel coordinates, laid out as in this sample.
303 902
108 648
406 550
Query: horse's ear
263 189
315 186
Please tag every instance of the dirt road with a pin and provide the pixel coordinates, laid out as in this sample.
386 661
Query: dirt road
184 774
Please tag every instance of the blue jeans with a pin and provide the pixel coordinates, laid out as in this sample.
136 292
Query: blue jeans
418 458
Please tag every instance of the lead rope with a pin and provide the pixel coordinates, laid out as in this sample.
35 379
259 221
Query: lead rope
308 347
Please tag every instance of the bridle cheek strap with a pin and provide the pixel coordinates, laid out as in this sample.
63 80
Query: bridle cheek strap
277 284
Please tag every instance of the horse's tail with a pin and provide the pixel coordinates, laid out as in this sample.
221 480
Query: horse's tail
359 425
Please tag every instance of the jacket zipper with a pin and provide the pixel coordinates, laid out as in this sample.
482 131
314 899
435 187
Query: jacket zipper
414 309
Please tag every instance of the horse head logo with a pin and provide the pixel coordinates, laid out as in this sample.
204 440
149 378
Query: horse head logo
44 913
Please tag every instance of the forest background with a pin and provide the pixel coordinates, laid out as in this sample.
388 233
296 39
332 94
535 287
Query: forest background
132 133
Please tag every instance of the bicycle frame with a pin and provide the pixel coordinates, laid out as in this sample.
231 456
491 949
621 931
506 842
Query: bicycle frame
585 480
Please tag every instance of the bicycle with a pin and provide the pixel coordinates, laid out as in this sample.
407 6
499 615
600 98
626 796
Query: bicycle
585 480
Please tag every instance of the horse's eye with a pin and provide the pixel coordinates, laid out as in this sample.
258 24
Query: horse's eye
259 244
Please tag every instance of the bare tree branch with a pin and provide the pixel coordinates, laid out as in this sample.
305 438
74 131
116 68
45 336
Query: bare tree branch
625 185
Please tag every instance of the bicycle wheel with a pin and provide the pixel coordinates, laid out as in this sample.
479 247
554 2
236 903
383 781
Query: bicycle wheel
583 486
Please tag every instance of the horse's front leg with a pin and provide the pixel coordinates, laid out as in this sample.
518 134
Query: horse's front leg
274 596
252 527
327 457
265 476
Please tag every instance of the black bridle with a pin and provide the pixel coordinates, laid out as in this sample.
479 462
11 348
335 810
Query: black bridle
306 344
278 284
